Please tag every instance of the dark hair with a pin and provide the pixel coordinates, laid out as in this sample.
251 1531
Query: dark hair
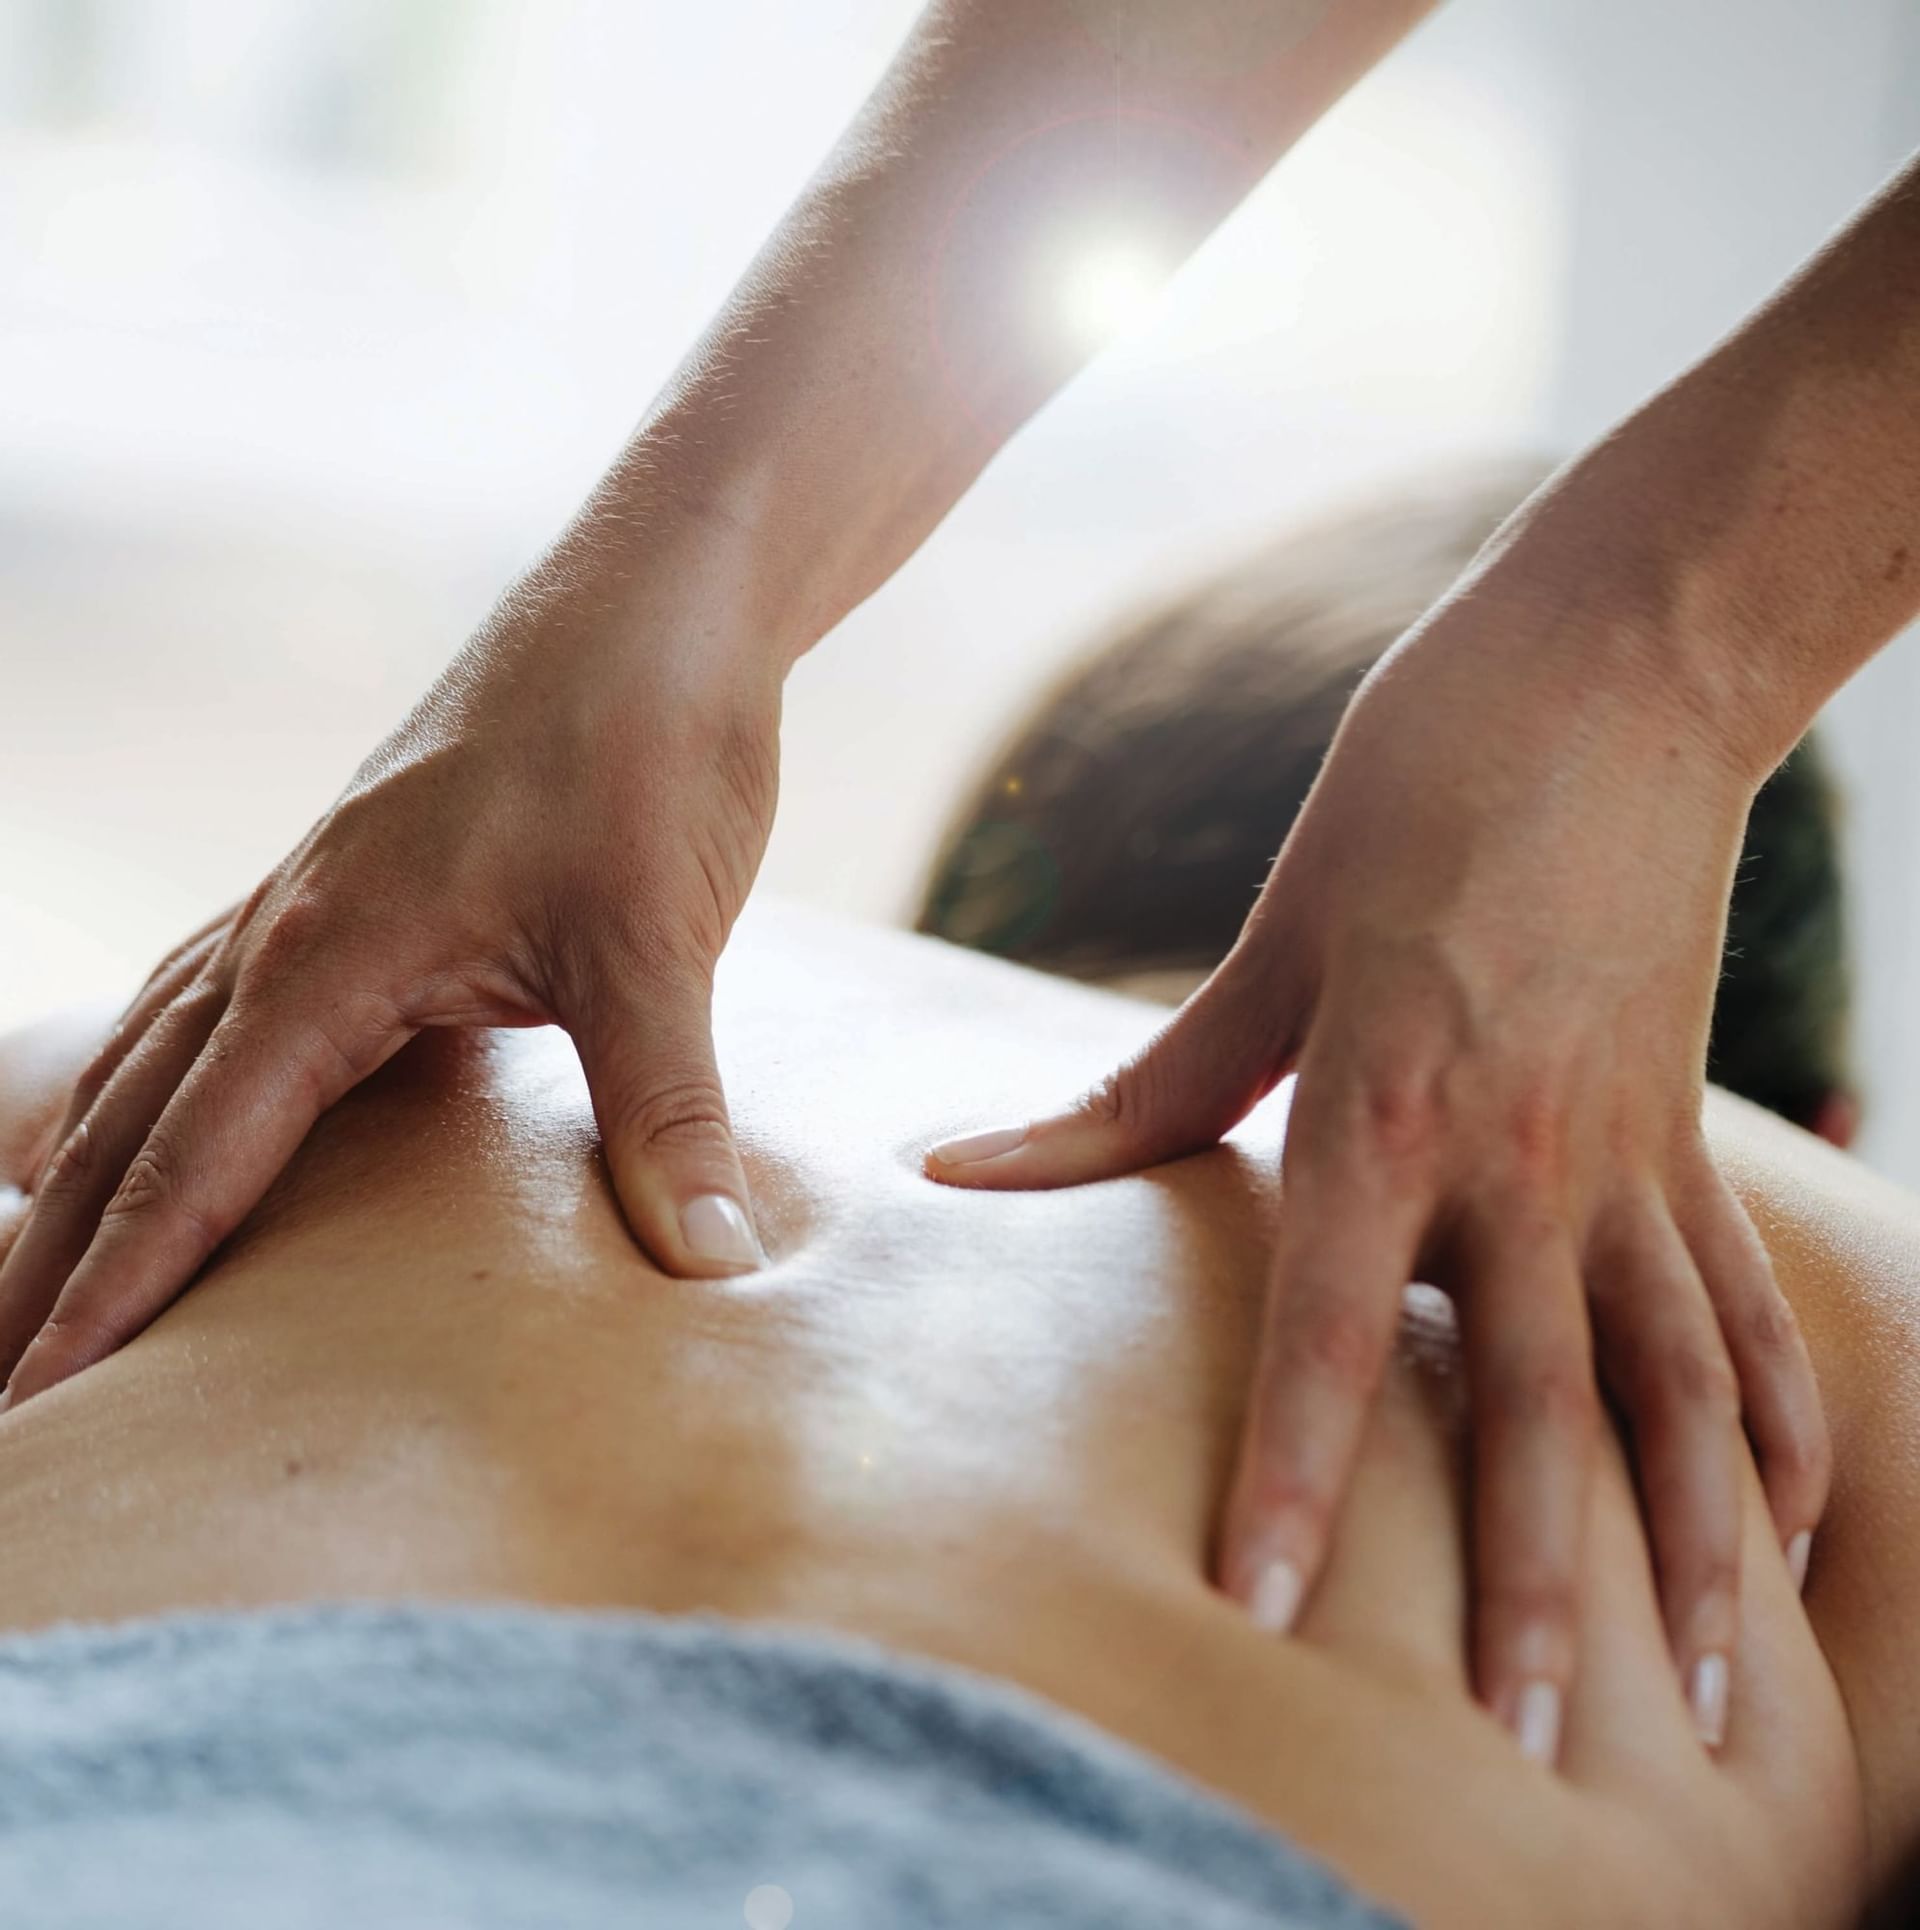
1127 826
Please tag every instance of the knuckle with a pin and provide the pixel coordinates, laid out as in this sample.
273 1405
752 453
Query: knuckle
1108 1104
1530 1596
1279 1492
153 1186
594 960
246 914
348 1040
72 1164
1712 1567
1123 1104
194 1012
205 995
1400 1114
690 1114
147 1184
1701 1379
1130 1100
284 940
1770 1331
1801 1455
1337 1341
1536 1135
68 1341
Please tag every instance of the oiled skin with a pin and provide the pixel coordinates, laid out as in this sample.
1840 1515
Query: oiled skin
992 1428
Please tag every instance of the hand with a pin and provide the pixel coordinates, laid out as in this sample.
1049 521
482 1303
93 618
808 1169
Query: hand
1490 948
564 831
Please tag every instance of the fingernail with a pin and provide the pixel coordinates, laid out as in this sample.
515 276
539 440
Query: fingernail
1536 1722
975 1147
714 1228
1707 1696
1799 1552
1275 1599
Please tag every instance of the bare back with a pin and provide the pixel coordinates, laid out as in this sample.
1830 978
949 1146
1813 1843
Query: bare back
992 1428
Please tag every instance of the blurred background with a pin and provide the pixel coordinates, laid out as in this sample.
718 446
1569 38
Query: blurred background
317 317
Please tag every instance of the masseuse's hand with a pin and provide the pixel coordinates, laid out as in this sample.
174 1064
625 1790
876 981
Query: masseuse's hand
1490 949
564 831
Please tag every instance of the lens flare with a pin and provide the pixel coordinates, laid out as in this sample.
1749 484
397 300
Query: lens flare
1107 285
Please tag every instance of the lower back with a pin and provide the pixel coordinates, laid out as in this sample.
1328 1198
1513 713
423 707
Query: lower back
986 1427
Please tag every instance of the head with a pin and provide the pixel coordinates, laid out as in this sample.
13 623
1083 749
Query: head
1123 830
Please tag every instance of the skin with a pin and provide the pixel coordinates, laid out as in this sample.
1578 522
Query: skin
991 1429
1499 1012
567 829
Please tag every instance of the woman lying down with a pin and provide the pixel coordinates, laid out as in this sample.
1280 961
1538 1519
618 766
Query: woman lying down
434 1562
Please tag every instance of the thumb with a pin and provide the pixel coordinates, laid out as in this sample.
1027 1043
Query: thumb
1215 1060
647 1053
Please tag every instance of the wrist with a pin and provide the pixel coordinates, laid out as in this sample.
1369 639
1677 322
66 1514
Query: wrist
687 560
755 522
1642 628
1600 705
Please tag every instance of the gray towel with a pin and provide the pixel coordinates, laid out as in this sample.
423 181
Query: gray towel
517 1769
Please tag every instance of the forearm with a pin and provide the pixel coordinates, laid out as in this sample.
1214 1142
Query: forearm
904 318
1751 535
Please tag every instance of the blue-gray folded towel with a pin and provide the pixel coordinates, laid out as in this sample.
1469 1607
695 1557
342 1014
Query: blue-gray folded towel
520 1769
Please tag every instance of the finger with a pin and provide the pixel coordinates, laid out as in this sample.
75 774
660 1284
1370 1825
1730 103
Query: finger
1535 1411
1778 1389
1346 1252
1664 1359
647 1052
266 1073
89 1163
1222 1053
179 971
